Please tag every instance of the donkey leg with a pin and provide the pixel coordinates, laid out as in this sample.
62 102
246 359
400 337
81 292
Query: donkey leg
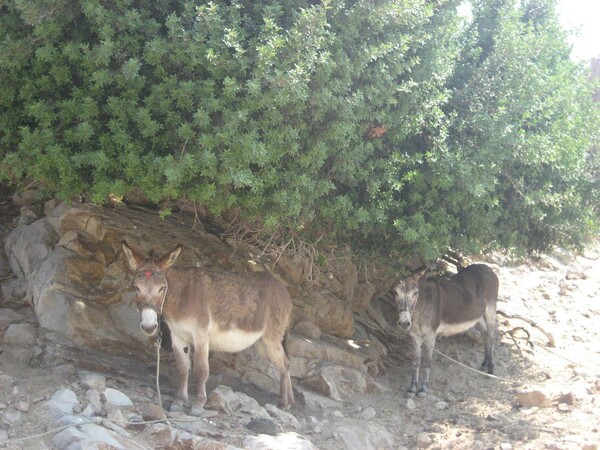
489 338
182 366
426 360
273 350
416 364
200 375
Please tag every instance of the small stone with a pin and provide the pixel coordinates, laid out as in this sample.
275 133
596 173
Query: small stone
7 381
20 334
410 403
338 414
65 370
95 403
22 406
151 411
368 413
563 407
117 418
441 405
264 426
528 399
423 440
117 398
63 401
505 446
67 437
568 399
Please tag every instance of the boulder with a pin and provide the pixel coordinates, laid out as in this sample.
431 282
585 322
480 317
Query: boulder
339 382
20 335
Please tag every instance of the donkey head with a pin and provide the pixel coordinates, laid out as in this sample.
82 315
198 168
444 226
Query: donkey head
150 283
406 294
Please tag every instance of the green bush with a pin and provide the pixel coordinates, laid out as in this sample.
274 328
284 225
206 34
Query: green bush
388 124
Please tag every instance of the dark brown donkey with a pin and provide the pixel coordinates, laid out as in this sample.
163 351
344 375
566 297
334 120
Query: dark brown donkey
431 307
222 311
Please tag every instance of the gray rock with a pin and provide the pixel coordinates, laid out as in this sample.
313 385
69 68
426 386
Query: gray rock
6 381
96 433
164 436
316 403
22 405
67 437
8 316
283 417
63 401
20 334
15 291
368 413
261 425
28 246
65 370
281 441
339 382
9 417
361 435
117 398
17 355
94 407
424 440
225 400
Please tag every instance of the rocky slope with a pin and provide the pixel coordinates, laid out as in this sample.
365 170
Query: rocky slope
75 372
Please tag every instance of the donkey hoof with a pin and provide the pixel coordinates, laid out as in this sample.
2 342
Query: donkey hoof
177 407
422 394
410 394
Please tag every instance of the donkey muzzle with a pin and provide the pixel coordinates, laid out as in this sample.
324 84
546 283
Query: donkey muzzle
149 322
404 320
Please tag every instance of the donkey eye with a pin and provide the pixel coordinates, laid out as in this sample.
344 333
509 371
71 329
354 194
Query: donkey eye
138 290
161 289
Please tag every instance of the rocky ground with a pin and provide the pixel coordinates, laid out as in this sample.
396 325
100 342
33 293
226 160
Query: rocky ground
545 397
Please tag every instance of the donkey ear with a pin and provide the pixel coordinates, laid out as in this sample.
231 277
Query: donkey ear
420 273
134 259
169 259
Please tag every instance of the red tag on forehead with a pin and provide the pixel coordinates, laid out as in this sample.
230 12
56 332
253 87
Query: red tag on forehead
148 274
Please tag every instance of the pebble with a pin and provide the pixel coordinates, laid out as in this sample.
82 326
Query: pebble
115 397
22 406
423 440
410 403
151 411
20 334
368 413
264 426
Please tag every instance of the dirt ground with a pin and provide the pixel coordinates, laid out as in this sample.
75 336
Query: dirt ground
468 410
465 409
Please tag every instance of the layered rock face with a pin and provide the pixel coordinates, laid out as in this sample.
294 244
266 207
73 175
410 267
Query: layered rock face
69 266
